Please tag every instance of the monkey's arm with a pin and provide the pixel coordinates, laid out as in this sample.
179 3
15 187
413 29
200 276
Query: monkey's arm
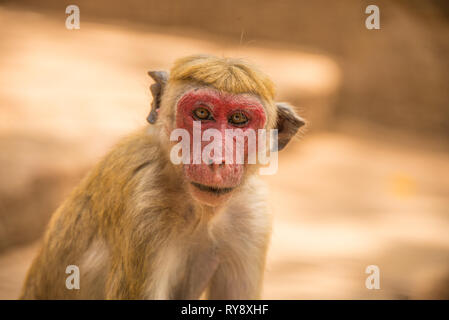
239 277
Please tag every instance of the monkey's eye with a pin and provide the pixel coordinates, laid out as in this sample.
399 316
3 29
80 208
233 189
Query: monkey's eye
202 114
238 119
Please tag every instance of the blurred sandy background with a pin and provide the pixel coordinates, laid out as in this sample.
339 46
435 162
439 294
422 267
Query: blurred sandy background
368 183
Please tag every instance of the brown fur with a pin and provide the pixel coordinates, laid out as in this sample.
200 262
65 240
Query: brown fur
136 233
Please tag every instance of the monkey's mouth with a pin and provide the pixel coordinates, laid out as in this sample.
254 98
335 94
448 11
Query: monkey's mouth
214 190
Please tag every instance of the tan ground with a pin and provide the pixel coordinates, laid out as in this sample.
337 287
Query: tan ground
342 200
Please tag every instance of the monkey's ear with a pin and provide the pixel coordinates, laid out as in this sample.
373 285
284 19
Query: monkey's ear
288 123
160 78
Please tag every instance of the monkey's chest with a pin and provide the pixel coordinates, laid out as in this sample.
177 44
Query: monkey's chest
194 272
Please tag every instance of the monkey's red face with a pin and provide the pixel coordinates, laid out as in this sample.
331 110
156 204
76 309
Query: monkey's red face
213 176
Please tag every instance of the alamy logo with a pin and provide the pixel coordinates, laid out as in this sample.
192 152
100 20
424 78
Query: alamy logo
373 20
73 20
250 147
373 280
73 280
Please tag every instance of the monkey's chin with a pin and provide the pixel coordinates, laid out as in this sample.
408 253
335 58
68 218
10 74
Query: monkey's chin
210 195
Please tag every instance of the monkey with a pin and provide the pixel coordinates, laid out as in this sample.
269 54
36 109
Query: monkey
139 226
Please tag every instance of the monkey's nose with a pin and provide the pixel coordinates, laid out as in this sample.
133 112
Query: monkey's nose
213 166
